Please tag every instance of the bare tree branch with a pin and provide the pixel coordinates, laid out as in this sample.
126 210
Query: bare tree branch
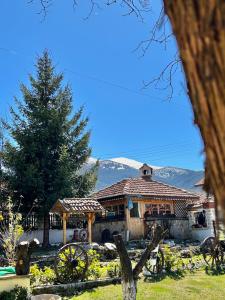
164 81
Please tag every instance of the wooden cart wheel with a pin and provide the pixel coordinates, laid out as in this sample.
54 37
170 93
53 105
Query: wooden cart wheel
219 254
212 251
207 249
71 263
158 267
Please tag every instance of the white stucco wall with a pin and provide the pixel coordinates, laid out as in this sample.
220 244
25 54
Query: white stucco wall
200 234
55 235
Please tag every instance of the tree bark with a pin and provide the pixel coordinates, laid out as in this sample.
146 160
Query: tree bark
46 230
129 276
129 285
199 28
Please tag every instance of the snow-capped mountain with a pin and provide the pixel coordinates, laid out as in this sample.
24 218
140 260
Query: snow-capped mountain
131 162
116 169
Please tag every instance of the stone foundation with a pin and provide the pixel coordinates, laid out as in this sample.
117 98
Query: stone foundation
179 229
113 226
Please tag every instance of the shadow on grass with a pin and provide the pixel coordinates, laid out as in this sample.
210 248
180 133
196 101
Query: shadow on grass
215 270
176 275
74 293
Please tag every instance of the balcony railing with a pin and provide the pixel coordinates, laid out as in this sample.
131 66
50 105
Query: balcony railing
109 218
159 216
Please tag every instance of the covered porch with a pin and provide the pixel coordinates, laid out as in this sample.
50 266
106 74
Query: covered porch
87 207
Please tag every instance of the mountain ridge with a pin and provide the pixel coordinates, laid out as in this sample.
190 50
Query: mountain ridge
111 171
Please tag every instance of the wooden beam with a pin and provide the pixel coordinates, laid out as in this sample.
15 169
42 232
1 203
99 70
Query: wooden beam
64 228
127 220
90 218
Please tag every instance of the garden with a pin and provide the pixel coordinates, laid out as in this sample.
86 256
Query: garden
91 271
96 271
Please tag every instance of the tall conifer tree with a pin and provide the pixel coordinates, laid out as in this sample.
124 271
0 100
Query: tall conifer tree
49 144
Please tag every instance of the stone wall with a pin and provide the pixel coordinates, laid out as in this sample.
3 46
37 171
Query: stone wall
113 226
179 229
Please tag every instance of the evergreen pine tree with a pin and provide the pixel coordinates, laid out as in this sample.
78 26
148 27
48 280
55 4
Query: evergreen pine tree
49 144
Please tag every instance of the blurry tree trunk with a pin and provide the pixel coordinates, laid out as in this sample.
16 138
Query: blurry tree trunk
199 28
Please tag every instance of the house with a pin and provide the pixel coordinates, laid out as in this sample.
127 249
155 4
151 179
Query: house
132 205
201 214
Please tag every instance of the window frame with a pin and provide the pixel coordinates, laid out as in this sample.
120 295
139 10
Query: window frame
136 203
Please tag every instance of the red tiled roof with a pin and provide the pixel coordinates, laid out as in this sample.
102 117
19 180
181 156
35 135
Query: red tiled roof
203 198
76 205
144 187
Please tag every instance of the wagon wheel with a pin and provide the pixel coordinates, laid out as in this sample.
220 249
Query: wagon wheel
212 252
219 254
71 263
158 267
207 249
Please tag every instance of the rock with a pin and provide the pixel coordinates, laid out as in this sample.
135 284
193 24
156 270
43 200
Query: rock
186 253
110 246
146 273
110 251
170 243
95 246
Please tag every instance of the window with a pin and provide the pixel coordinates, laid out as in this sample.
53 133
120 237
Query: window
115 211
121 210
200 219
111 211
158 209
134 212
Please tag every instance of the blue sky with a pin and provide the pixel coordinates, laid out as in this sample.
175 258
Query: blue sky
98 59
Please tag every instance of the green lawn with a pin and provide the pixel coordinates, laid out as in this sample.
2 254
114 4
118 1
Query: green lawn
198 286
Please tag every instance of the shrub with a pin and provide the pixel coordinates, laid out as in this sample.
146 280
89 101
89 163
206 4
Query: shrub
114 269
95 269
41 276
10 234
173 261
18 293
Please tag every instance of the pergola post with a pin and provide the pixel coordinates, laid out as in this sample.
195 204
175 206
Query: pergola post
90 217
127 224
64 227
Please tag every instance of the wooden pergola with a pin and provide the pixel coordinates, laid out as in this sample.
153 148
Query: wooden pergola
78 206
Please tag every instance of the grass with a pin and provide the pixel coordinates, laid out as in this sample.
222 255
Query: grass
196 286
